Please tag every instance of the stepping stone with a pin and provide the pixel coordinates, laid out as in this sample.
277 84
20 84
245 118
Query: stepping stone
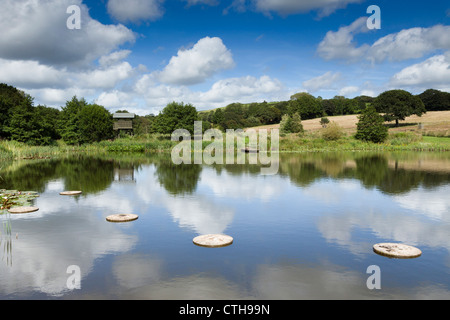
122 217
213 240
20 210
396 250
70 193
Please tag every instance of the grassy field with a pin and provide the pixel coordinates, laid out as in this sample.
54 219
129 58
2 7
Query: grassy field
434 124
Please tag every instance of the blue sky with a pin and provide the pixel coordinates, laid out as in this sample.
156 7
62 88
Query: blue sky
140 55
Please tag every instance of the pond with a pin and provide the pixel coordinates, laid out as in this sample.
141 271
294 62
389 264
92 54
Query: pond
305 233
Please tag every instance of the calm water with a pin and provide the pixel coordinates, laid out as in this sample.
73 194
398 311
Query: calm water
305 233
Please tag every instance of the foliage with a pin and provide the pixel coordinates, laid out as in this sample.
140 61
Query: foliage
398 104
371 126
143 125
332 132
80 122
68 124
95 124
404 138
9 98
176 116
297 126
340 105
306 105
435 100
291 124
324 121
15 198
45 118
33 125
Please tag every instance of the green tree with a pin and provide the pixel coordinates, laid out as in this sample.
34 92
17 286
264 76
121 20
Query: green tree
286 124
329 107
10 97
371 126
80 122
297 126
218 117
291 124
68 123
44 118
33 125
324 122
362 102
143 125
435 100
344 106
252 122
398 104
22 123
95 124
176 116
269 115
306 105
282 106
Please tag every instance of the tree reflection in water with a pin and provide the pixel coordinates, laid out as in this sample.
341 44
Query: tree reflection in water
390 173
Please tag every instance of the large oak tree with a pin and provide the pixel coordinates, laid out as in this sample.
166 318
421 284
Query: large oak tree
396 105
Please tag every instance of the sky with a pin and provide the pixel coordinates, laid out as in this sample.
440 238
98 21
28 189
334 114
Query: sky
140 55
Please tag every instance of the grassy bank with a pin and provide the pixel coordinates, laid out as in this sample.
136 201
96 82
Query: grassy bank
397 141
308 142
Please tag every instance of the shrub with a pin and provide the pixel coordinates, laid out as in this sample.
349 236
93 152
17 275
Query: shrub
371 126
324 122
404 138
332 132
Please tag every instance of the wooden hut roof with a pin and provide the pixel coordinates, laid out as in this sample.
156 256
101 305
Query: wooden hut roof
124 116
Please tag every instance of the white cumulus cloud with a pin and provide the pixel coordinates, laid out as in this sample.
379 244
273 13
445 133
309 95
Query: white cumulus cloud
406 44
431 73
207 57
340 44
37 30
410 43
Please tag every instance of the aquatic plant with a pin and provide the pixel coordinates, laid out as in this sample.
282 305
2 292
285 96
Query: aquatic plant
15 198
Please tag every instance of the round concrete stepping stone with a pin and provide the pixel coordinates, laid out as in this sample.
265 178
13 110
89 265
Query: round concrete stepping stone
70 193
213 240
396 250
122 217
20 210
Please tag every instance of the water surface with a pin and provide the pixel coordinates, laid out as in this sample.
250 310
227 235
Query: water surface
305 233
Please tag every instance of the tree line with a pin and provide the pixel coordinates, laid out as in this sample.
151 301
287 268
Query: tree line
237 115
80 122
77 122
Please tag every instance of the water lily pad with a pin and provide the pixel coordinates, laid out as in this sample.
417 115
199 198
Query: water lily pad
213 240
15 198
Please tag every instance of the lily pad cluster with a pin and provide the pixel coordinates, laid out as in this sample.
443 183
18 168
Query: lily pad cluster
15 198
